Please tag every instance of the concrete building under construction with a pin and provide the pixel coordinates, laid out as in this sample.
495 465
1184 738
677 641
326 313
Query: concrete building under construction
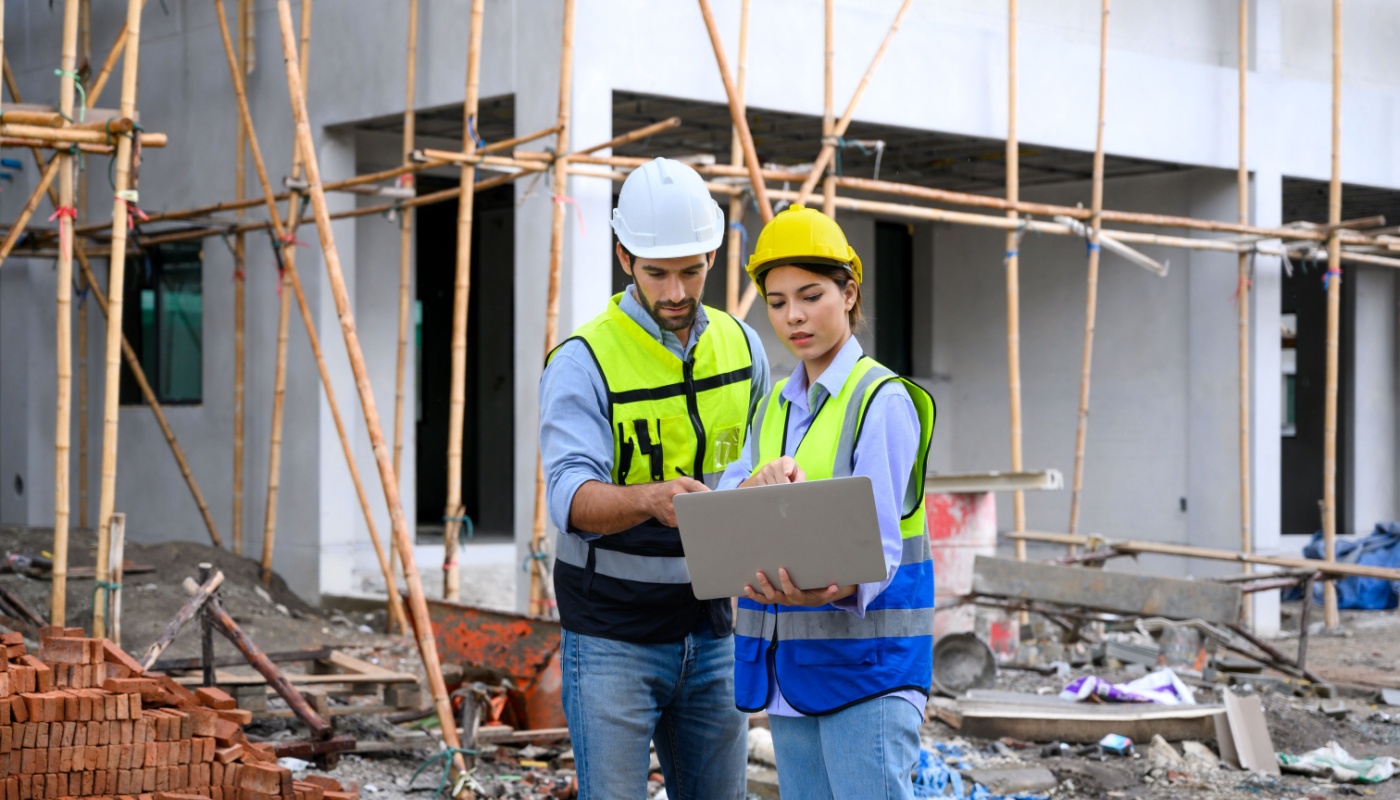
1161 460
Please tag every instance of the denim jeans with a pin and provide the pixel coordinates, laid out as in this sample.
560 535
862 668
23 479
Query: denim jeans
619 696
866 752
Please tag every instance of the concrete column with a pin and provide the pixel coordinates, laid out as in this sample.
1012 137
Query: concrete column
1373 411
27 372
1266 394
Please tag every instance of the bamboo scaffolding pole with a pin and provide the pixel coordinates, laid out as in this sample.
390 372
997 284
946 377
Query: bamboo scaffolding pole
539 592
418 606
348 183
1013 276
396 612
240 295
1242 294
117 286
454 513
733 275
133 363
63 400
828 102
286 246
66 136
410 123
117 558
741 125
828 150
85 54
16 230
1091 303
1331 617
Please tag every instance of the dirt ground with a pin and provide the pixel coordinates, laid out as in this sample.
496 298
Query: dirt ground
1367 653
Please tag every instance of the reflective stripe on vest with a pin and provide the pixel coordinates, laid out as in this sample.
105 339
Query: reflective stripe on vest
669 418
813 650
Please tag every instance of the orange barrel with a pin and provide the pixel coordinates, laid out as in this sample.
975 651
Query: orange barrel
962 526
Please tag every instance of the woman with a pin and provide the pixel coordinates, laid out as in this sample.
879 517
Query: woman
843 671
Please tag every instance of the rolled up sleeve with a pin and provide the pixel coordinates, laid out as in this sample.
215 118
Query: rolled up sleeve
576 443
886 453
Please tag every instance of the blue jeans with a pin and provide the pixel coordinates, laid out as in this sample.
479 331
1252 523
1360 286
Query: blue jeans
865 752
619 696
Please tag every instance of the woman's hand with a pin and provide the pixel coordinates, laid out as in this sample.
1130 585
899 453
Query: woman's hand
777 471
789 595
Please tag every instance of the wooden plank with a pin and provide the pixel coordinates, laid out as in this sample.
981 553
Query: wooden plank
976 482
992 715
305 654
1188 551
222 678
1117 592
354 666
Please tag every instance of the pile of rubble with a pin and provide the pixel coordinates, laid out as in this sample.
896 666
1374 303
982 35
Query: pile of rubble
82 719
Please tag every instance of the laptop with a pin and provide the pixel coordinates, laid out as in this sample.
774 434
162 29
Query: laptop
823 532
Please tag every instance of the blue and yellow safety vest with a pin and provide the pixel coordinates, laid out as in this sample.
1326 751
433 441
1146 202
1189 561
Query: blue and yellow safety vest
826 659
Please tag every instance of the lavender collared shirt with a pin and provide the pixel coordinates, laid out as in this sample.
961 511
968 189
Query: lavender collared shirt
885 453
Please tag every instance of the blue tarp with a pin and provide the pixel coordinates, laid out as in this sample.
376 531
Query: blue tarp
1380 549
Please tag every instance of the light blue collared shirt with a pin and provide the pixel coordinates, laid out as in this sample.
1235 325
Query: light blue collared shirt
576 437
885 453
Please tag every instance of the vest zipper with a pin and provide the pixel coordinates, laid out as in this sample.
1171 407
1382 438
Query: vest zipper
692 402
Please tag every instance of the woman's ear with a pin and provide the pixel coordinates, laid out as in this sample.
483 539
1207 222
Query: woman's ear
850 290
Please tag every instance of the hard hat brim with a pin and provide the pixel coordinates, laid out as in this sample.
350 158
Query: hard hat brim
797 261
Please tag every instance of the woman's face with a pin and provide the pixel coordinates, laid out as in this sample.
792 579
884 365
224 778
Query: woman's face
808 311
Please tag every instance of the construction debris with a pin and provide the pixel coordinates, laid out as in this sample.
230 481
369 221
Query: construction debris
82 719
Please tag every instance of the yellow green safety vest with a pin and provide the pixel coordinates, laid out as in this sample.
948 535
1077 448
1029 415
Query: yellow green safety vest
826 659
669 418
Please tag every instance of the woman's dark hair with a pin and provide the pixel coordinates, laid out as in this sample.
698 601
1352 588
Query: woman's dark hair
837 273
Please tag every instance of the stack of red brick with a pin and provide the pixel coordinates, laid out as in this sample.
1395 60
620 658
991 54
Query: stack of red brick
81 720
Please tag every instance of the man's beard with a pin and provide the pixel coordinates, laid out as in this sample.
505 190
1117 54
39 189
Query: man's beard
672 324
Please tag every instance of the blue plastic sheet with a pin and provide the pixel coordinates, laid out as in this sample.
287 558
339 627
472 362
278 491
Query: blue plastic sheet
935 779
1380 549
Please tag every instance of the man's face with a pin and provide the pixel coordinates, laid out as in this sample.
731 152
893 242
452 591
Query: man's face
669 288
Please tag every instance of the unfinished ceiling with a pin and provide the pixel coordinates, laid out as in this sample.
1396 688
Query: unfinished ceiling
941 160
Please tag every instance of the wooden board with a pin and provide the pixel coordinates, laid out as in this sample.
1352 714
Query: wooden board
992 715
353 671
1116 592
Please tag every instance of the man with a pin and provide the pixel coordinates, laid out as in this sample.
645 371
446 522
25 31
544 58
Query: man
650 399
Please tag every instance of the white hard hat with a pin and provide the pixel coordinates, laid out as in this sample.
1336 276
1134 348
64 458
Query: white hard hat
665 211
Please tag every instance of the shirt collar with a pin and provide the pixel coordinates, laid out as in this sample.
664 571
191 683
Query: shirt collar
632 307
797 392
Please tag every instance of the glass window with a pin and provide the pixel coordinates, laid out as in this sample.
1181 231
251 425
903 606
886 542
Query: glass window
164 322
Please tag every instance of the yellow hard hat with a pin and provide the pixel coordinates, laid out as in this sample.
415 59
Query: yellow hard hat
799 235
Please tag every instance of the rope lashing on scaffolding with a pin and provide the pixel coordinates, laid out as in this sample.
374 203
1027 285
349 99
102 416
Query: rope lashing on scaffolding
460 519
82 94
534 556
1091 247
64 213
865 146
108 587
743 236
81 293
1018 235
1333 269
130 197
446 757
472 132
1243 286
564 202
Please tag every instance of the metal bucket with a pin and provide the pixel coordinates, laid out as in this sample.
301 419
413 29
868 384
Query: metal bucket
962 662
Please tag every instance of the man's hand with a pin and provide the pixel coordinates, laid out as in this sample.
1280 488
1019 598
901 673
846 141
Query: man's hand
789 595
777 471
661 494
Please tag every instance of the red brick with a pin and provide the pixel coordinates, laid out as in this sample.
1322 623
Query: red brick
204 721
235 715
214 697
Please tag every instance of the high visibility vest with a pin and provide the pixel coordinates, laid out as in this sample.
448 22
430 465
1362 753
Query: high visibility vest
669 418
826 659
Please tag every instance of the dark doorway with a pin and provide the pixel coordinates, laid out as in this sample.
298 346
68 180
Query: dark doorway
894 296
488 442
